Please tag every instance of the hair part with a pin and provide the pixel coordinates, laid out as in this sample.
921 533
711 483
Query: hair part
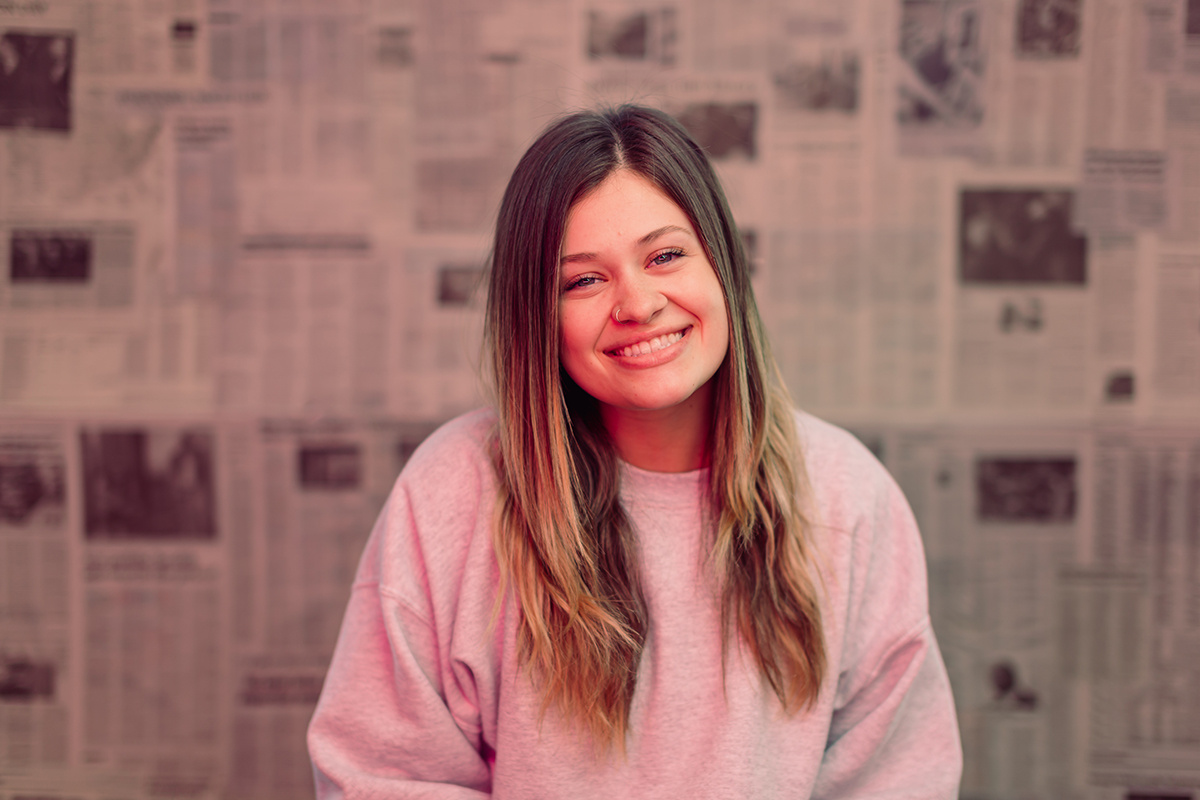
564 543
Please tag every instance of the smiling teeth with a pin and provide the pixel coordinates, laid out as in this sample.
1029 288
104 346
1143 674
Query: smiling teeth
651 345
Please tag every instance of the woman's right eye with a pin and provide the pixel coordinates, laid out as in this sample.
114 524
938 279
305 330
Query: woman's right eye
581 281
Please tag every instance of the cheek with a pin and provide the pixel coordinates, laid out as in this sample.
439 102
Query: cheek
718 314
721 346
725 328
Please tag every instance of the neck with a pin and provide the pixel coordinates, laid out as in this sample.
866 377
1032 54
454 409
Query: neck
674 439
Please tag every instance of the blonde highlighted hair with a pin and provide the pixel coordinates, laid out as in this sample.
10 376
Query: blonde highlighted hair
564 543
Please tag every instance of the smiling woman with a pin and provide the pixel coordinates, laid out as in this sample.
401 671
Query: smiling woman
655 364
642 573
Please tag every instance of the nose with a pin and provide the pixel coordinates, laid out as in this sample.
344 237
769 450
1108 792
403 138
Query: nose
639 301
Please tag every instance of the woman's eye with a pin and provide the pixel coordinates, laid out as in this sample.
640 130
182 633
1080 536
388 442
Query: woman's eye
666 257
581 281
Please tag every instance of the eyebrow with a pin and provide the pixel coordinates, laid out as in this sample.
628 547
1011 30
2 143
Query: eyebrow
642 242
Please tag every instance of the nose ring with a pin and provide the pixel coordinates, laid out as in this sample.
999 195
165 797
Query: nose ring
617 316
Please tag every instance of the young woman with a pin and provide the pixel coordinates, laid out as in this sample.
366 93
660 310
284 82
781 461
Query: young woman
641 574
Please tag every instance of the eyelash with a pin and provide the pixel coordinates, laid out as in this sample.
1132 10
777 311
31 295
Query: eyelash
578 282
674 252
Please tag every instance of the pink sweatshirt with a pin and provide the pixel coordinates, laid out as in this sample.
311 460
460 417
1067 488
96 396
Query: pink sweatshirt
421 700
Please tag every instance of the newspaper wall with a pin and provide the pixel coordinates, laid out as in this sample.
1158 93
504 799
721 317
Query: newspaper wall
241 247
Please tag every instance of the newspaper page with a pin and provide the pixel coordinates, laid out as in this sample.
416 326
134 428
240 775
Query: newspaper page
133 40
997 82
1063 572
530 51
75 328
1120 297
817 110
272 191
943 76
463 139
1046 314
1191 39
849 280
155 604
1124 164
1172 31
819 285
1001 512
632 41
312 493
38 700
1126 92
390 86
1037 113
1168 33
68 144
1023 300
1130 622
855 319
302 326
1183 156
1176 332
82 179
205 203
39 63
729 37
815 261
302 152
1123 191
112 610
438 364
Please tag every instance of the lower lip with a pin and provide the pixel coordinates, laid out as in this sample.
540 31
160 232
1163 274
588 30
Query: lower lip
656 358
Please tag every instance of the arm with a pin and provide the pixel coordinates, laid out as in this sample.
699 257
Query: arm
895 735
382 727
894 732
399 715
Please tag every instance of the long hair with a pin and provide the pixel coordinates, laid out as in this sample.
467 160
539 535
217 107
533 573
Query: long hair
563 540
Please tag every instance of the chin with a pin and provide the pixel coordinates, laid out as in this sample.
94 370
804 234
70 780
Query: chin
659 402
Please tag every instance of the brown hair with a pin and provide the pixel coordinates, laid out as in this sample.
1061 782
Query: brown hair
562 537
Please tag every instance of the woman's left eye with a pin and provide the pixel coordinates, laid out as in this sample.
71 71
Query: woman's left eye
666 257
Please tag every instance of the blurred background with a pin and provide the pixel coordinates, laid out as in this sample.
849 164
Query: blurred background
240 246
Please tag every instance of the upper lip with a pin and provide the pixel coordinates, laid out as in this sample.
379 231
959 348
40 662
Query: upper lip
645 337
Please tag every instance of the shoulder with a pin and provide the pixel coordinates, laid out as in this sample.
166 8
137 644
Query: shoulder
837 462
866 531
461 442
450 477
860 513
439 509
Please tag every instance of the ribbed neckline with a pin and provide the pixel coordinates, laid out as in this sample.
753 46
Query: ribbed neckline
662 488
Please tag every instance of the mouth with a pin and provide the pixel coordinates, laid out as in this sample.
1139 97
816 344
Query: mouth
648 346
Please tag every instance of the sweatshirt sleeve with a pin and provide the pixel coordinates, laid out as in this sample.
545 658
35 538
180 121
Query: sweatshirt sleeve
398 714
382 727
894 731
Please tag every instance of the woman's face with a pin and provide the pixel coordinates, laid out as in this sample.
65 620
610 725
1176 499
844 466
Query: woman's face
643 319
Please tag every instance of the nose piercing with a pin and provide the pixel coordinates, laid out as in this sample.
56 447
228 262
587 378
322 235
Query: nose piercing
617 315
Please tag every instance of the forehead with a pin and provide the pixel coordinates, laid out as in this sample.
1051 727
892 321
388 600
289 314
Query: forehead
626 203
